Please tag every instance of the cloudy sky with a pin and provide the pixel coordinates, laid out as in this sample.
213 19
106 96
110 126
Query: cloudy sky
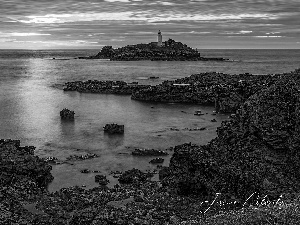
203 24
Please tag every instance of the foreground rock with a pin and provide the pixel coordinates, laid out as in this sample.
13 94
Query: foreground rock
23 178
140 201
256 151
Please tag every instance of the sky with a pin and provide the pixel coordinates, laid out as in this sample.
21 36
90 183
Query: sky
202 24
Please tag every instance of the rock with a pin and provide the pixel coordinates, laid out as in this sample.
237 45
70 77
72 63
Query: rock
133 176
148 152
67 114
85 171
101 179
114 128
226 92
50 159
169 51
253 151
82 157
213 120
103 87
157 160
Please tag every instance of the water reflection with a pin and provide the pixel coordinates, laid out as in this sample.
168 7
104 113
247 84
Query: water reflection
67 128
114 141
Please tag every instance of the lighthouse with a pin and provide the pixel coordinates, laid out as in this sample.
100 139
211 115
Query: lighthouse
159 39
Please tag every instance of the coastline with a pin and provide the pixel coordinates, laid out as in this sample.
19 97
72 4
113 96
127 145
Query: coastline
255 140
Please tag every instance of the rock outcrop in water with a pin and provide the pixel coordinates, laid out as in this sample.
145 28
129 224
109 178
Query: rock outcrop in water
171 51
226 92
103 87
148 152
114 128
67 114
256 151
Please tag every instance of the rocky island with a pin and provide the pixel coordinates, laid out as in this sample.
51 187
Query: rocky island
169 50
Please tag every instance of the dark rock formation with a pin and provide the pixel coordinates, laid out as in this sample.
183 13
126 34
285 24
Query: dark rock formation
226 92
133 176
148 152
85 171
82 157
101 179
170 51
114 128
255 151
20 161
23 178
67 114
102 87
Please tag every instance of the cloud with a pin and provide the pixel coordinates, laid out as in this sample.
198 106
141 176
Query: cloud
268 36
16 34
117 0
147 16
191 20
245 32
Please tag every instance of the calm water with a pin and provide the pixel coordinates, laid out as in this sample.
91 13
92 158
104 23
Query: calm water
31 97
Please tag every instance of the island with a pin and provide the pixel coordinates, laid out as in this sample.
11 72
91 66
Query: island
169 50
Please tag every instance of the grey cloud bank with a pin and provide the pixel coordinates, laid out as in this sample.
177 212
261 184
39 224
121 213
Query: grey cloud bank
198 23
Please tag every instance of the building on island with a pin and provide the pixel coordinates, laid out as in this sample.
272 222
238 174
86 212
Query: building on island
159 39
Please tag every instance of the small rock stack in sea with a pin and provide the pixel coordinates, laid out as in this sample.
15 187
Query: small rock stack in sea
114 128
67 114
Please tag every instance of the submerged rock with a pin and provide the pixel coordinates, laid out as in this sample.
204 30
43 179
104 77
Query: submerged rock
148 152
156 160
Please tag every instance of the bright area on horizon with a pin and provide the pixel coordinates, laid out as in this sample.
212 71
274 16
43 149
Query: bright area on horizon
202 24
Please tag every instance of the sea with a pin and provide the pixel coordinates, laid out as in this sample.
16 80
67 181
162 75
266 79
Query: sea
31 97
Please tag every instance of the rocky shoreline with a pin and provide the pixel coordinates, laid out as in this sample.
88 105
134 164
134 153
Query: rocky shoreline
225 91
255 154
102 87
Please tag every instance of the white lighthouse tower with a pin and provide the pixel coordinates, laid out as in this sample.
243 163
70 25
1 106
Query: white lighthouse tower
159 39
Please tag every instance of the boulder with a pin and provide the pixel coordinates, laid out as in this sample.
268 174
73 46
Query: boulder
67 114
114 128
